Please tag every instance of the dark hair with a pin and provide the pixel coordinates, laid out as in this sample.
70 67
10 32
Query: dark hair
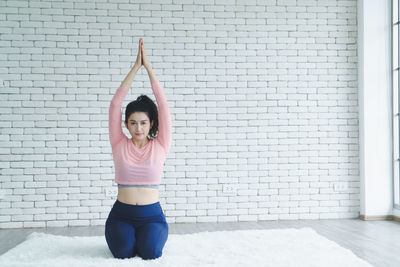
144 104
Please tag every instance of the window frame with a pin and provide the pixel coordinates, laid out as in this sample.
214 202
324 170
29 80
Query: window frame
395 79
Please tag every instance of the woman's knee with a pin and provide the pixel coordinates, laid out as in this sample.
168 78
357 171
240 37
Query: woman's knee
151 240
122 252
151 253
120 237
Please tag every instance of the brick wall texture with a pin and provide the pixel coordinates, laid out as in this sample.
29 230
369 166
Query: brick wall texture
262 95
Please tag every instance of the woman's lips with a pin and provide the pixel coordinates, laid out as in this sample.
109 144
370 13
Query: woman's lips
139 134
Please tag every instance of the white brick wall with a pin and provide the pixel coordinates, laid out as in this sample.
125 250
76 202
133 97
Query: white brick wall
263 98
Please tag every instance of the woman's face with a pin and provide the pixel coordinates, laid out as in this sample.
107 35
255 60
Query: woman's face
139 125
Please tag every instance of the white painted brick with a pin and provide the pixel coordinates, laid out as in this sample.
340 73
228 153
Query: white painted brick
176 213
198 200
207 206
217 212
227 219
88 216
97 222
279 210
22 217
19 191
248 217
328 216
78 222
67 216
58 223
68 203
11 225
11 211
43 204
56 210
87 203
344 209
28 224
246 205
33 197
78 209
196 213
299 210
340 196
5 218
12 185
56 196
44 217
24 204
237 211
268 217
176 200
185 207
186 219
319 209
288 216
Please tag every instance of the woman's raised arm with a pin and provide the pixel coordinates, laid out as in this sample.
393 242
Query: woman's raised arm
164 117
114 111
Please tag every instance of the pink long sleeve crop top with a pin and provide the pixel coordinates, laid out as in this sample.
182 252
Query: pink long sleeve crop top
133 165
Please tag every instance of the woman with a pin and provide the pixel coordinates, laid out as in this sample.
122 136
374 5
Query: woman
136 224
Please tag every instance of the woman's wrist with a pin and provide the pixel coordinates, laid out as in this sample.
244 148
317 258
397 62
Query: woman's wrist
151 74
136 67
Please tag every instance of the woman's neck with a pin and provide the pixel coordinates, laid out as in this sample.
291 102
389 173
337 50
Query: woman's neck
141 144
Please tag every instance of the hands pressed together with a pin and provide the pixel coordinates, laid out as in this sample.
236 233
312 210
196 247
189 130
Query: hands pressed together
141 59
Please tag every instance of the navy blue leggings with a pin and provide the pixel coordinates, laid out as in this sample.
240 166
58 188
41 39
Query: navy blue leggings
132 230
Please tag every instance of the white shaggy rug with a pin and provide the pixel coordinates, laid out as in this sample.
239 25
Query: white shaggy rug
276 247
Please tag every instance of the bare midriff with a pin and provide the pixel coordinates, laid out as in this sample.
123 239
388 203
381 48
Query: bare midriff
138 195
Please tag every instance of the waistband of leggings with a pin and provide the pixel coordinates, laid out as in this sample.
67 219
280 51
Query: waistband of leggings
138 210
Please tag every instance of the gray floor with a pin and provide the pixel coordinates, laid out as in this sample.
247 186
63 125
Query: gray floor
377 242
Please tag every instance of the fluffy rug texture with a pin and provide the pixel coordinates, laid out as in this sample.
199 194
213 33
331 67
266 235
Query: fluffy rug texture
276 247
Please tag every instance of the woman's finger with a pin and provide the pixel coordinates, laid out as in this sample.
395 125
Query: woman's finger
141 49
